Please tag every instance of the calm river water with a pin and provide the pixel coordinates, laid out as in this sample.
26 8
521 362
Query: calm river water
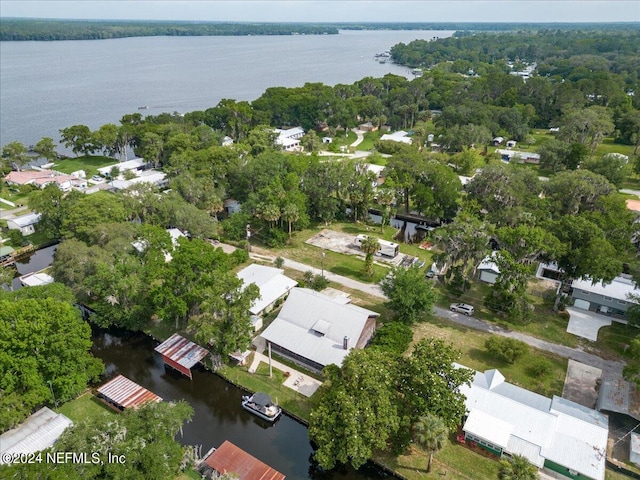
46 86
218 414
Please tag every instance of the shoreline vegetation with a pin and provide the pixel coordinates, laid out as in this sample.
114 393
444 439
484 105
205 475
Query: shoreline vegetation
27 29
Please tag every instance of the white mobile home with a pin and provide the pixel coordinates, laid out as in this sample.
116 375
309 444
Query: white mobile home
388 249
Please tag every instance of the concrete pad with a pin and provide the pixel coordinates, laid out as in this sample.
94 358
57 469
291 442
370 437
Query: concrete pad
586 324
581 384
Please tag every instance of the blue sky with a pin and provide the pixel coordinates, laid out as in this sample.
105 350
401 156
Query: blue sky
332 10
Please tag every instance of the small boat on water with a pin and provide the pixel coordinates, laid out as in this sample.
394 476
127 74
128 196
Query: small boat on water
260 404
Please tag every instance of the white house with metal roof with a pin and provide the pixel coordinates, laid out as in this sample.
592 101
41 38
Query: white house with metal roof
272 282
289 139
552 433
24 223
36 433
607 298
316 330
488 270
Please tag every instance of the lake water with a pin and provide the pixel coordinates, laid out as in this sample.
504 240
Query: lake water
46 86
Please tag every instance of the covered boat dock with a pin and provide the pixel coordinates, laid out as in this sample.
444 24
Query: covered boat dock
229 458
181 354
122 393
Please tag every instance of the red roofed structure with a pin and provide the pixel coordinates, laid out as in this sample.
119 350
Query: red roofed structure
122 393
181 354
229 458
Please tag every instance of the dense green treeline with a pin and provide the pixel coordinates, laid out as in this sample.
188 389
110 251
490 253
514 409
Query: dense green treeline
17 29
614 50
43 29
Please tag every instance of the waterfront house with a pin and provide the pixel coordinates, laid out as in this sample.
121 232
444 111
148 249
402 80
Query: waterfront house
24 223
36 433
134 164
554 434
43 178
230 459
272 282
316 330
606 298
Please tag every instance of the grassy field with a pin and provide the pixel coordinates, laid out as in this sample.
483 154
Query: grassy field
287 398
454 461
85 407
370 138
470 343
89 164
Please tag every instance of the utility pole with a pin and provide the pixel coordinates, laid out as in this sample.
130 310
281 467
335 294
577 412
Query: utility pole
322 262
248 237
55 402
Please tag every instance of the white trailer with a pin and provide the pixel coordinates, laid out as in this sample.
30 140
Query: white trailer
388 249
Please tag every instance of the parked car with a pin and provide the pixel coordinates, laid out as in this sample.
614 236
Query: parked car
97 178
462 308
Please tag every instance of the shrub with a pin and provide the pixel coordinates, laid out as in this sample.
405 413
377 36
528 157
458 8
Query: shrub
319 283
540 368
393 337
278 262
507 349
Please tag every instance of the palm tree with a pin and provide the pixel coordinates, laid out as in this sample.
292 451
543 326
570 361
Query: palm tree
518 468
369 246
430 432
290 214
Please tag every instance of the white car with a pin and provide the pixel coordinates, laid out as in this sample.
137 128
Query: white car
462 308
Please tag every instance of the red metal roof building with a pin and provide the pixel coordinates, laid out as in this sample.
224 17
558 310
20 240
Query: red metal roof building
122 393
181 354
229 458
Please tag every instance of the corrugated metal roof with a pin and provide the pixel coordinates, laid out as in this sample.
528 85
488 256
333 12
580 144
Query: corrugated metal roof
181 351
272 283
127 393
565 433
231 459
25 220
293 328
618 395
562 405
519 446
36 433
494 430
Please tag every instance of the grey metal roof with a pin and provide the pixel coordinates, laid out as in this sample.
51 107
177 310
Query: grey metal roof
36 433
272 283
566 433
25 220
293 328
619 396
559 404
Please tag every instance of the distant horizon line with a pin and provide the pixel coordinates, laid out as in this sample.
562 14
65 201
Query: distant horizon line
376 22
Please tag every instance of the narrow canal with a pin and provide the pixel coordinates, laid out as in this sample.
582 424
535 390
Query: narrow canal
218 415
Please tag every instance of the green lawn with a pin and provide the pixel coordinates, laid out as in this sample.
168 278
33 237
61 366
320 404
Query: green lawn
474 355
287 398
89 164
454 461
615 339
544 322
370 138
85 407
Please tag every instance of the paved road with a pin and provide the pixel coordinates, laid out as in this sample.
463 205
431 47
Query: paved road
608 366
